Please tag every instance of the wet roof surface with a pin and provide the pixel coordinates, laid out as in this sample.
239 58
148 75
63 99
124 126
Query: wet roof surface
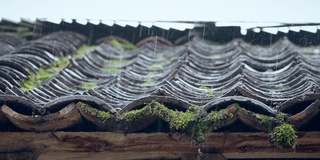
266 80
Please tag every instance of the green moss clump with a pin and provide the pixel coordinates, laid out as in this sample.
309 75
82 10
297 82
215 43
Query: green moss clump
208 92
150 74
111 70
89 85
204 87
216 116
136 114
36 79
284 136
267 121
281 117
199 131
123 45
26 34
169 61
216 56
148 83
103 116
177 120
219 118
191 122
156 67
83 49
181 120
117 63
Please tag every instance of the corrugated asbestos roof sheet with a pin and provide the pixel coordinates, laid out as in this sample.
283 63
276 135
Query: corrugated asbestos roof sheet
57 82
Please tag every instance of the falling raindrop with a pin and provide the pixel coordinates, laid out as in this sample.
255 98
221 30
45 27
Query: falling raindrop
140 32
199 154
155 48
120 65
204 30
277 57
34 28
189 35
40 32
54 46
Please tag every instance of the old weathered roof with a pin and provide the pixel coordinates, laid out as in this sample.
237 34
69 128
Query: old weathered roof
73 77
264 80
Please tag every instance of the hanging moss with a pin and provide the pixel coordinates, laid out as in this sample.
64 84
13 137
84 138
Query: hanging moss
103 116
195 122
281 117
284 136
190 122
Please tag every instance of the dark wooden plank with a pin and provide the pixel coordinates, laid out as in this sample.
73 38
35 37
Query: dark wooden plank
150 145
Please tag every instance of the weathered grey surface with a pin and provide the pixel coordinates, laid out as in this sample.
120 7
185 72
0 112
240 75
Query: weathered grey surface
106 145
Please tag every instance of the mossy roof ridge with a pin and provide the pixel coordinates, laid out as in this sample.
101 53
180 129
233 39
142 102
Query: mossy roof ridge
195 122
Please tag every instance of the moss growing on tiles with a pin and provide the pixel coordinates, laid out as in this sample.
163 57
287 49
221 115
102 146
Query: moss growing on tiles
89 85
215 56
150 74
284 135
136 114
123 45
35 79
83 49
180 120
208 93
117 63
219 118
26 34
169 61
281 117
111 69
204 87
215 116
156 67
46 72
148 83
191 122
195 122
103 116
267 121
